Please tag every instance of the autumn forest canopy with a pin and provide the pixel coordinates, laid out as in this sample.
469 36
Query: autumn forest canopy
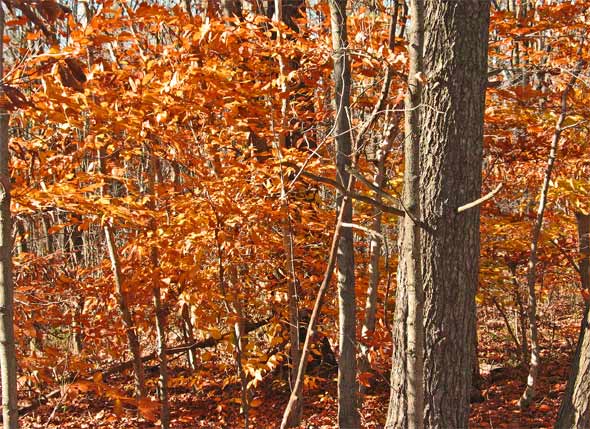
279 213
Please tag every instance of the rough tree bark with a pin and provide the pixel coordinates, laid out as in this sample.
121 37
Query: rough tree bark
574 411
7 347
348 416
454 78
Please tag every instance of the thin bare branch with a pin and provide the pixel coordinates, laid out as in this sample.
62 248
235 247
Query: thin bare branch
567 256
353 195
481 200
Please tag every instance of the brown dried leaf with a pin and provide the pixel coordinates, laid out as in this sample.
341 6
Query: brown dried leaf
148 409
17 98
51 10
76 69
67 78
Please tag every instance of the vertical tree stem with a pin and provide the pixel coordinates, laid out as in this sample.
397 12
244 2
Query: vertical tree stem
121 295
7 346
529 392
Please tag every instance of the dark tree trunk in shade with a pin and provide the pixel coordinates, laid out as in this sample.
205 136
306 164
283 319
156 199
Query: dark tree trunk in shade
231 8
290 11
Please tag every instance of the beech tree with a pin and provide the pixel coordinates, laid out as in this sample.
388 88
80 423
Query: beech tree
348 416
186 176
450 130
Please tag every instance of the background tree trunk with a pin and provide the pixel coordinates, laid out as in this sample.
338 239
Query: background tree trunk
188 335
377 241
455 77
154 176
407 391
529 392
231 8
292 414
7 347
126 315
348 416
286 15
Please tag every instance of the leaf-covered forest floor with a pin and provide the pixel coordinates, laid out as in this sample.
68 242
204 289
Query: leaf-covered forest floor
214 403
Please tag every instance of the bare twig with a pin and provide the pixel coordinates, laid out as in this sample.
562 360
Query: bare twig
404 211
481 200
566 255
362 228
354 195
208 342
371 186
383 97
506 322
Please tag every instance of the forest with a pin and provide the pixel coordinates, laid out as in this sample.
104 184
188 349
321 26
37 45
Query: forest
289 214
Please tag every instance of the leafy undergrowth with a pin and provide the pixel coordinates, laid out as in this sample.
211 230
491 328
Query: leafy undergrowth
215 404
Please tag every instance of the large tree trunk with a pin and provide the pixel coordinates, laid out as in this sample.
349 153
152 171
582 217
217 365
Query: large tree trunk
575 406
348 416
455 75
7 348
